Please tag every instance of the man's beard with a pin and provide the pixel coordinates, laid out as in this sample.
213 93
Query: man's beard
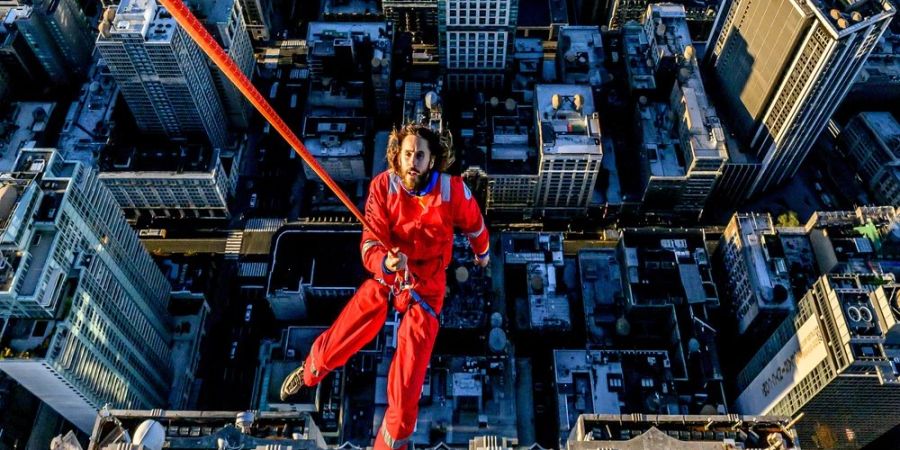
415 183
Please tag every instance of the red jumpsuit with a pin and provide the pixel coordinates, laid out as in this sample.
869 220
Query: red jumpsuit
422 227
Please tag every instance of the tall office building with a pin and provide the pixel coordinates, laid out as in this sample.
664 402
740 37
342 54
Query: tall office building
475 41
871 141
227 24
700 14
568 136
783 67
419 19
163 75
60 36
757 282
684 147
83 306
257 15
834 361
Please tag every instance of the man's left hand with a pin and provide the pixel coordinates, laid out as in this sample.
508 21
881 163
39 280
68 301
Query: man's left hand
483 262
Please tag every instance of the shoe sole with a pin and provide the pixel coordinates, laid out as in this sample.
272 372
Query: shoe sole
292 384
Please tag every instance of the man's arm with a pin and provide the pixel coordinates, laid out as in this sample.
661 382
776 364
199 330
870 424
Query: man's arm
374 254
467 217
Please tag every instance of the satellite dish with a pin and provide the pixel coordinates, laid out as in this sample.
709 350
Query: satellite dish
497 340
376 62
689 52
642 100
571 55
109 14
842 23
835 13
150 434
856 16
510 104
496 320
495 101
555 101
95 86
579 102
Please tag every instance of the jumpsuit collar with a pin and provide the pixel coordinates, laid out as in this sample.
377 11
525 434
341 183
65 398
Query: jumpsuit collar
427 189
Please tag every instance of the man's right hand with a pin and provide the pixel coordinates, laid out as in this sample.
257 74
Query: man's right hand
395 260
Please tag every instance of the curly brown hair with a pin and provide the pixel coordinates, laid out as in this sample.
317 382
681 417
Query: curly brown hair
439 144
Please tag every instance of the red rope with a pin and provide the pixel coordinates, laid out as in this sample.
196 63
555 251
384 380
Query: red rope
198 33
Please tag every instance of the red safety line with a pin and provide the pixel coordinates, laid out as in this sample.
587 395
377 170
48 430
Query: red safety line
198 33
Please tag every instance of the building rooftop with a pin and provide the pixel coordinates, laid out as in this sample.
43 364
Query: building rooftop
601 291
422 104
511 150
87 125
849 241
277 360
195 430
843 15
320 33
665 26
528 247
611 382
581 48
351 8
29 194
548 309
885 126
677 432
27 123
764 254
662 156
173 160
667 266
335 136
144 17
569 123
317 260
638 63
469 290
466 397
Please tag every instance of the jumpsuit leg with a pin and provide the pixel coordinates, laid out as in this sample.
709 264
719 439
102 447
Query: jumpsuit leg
415 340
356 326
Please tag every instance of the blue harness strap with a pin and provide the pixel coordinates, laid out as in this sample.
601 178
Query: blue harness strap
415 296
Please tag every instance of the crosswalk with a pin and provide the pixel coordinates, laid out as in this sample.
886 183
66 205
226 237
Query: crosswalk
233 244
264 224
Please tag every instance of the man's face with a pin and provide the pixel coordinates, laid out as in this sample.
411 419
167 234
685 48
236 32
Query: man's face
415 162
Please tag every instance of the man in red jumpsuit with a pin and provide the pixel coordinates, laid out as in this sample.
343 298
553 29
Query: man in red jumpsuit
417 207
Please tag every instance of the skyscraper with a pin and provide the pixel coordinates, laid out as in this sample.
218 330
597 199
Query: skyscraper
417 17
871 142
475 39
59 35
834 361
163 75
683 142
82 305
227 24
568 136
257 15
783 67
